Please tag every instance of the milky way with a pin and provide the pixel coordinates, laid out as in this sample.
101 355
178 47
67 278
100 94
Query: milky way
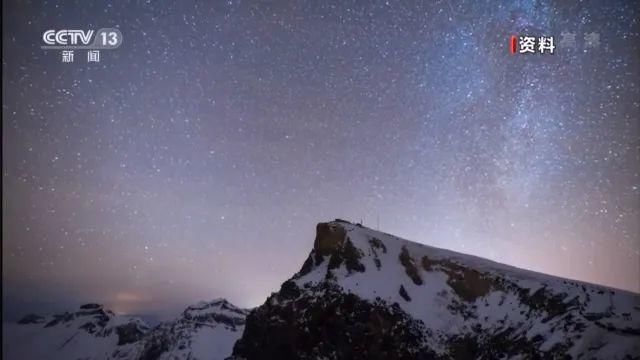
194 161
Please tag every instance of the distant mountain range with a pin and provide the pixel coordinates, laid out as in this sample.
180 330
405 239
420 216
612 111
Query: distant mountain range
364 294
206 330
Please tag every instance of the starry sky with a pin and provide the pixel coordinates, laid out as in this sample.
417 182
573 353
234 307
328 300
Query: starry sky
195 160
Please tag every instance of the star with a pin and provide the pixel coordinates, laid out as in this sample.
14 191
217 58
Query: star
212 141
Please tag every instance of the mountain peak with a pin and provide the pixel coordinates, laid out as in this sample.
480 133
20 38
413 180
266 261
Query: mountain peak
91 306
362 284
207 329
218 311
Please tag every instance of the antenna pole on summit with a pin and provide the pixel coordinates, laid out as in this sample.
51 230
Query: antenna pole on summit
378 224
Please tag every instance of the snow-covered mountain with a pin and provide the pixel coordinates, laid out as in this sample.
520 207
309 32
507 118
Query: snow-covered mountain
91 332
363 294
206 330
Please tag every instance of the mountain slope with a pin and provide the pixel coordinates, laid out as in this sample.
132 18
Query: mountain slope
363 294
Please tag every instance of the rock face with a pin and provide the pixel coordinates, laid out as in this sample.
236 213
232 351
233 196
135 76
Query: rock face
206 330
363 294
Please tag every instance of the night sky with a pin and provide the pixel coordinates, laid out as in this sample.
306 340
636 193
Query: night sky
195 160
